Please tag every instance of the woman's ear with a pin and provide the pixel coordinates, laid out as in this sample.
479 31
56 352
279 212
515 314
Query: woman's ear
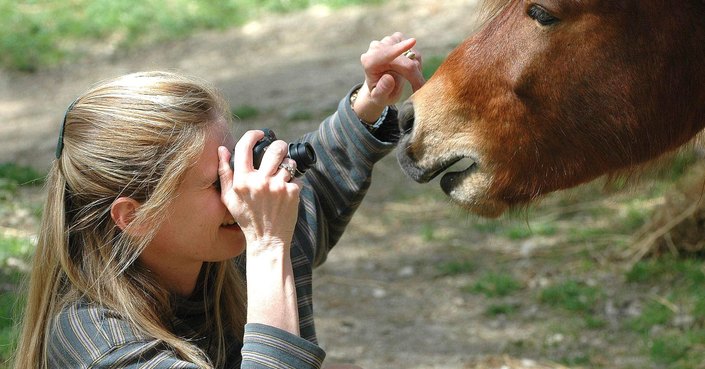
123 211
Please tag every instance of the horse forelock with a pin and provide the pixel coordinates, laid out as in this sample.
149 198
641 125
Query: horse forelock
490 8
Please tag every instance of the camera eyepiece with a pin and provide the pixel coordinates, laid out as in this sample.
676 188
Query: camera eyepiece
301 152
304 156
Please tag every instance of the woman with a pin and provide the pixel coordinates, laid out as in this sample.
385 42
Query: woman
154 253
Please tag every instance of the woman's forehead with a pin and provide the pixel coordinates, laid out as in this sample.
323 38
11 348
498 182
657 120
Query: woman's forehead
207 162
221 132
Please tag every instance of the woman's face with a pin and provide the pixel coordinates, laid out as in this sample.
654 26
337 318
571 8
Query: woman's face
198 227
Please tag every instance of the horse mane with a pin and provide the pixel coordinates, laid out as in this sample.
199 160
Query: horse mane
490 8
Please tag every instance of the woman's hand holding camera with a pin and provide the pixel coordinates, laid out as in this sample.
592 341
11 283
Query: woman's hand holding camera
264 203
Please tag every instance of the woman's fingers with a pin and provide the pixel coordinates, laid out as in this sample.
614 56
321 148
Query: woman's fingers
273 156
287 170
225 172
242 160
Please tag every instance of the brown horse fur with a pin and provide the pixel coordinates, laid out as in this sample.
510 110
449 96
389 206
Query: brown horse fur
608 86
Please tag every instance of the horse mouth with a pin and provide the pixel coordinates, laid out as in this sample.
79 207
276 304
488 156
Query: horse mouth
457 167
453 178
464 182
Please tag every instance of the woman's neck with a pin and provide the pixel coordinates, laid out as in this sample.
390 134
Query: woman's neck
178 277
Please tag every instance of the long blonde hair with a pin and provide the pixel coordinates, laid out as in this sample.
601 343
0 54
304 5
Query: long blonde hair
134 136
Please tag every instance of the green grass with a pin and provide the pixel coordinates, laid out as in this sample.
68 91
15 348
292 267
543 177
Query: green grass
431 64
10 296
20 174
494 284
653 314
8 329
660 302
684 273
35 34
13 250
455 267
587 232
522 231
245 112
13 176
501 309
13 247
675 346
571 295
299 115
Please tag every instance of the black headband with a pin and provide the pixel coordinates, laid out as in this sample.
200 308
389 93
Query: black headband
60 144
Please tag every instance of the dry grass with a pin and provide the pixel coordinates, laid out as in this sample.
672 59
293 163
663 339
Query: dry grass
677 227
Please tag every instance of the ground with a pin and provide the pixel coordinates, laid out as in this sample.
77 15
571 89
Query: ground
388 296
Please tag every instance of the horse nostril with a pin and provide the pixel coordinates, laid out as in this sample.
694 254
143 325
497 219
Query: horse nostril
406 117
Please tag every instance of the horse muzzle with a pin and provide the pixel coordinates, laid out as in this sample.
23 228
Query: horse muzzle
410 160
405 156
469 186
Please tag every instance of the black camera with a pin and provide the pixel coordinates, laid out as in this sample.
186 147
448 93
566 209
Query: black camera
301 152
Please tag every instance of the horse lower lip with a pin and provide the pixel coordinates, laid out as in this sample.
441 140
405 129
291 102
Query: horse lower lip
423 175
455 163
452 179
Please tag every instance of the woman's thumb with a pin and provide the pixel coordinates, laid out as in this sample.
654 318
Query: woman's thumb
384 88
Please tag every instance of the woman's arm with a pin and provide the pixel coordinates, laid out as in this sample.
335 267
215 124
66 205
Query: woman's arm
264 203
348 143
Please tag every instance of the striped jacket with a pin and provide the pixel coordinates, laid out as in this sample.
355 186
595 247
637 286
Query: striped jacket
86 335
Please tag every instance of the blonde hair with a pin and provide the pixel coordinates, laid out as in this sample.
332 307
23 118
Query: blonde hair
133 136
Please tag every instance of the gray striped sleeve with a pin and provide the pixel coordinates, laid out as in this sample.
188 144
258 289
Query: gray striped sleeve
268 347
338 182
87 336
333 190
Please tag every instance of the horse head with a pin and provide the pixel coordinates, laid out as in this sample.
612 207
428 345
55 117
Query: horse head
549 94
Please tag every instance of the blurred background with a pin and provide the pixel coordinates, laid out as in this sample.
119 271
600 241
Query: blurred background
608 275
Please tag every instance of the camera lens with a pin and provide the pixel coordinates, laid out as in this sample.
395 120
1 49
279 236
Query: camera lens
301 152
304 156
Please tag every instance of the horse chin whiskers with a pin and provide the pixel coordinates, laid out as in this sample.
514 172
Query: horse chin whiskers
469 189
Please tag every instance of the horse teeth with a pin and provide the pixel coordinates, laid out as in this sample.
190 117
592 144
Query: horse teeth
228 222
463 164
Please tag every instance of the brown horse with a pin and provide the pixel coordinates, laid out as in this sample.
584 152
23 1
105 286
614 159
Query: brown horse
549 94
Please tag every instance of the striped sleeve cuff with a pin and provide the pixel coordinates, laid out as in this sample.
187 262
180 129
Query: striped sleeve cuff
269 347
383 140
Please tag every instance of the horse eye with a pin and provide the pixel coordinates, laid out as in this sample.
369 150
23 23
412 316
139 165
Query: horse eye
541 15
